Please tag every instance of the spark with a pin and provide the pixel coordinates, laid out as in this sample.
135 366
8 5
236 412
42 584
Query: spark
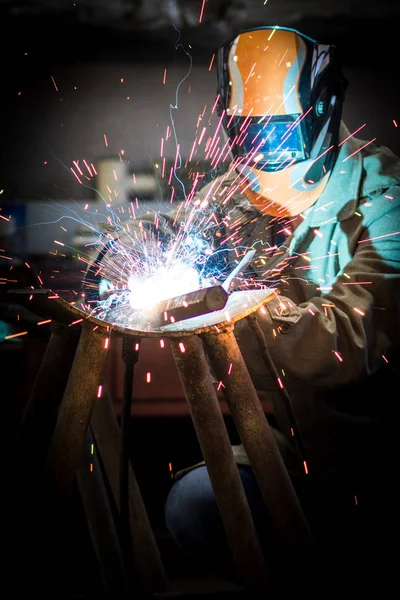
76 175
321 155
251 73
358 150
351 135
88 168
182 347
54 83
378 237
78 167
148 377
99 391
338 356
74 322
14 335
215 104
357 282
202 11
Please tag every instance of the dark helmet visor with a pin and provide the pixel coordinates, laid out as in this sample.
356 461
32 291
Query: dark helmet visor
270 142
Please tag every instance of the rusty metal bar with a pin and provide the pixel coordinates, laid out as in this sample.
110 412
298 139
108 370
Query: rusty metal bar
130 356
75 411
194 372
99 517
107 435
257 438
40 414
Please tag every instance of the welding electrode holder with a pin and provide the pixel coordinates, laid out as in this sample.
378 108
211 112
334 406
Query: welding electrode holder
190 305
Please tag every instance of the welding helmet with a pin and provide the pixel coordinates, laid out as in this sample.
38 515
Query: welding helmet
280 96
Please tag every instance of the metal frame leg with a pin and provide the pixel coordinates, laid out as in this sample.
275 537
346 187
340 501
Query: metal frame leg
146 554
257 438
75 412
200 393
40 414
102 528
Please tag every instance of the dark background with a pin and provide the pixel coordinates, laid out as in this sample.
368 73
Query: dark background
61 91
85 54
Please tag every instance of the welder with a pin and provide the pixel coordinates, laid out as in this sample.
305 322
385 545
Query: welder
330 203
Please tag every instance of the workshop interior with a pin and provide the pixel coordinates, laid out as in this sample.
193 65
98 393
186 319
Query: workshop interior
103 109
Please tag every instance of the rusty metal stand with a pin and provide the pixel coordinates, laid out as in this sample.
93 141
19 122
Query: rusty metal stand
84 412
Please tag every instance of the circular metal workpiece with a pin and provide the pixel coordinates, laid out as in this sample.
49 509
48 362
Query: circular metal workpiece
240 304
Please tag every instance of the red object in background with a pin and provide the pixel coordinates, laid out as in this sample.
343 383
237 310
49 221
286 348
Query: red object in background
163 395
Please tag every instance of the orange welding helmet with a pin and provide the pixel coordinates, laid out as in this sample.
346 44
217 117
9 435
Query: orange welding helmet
280 95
